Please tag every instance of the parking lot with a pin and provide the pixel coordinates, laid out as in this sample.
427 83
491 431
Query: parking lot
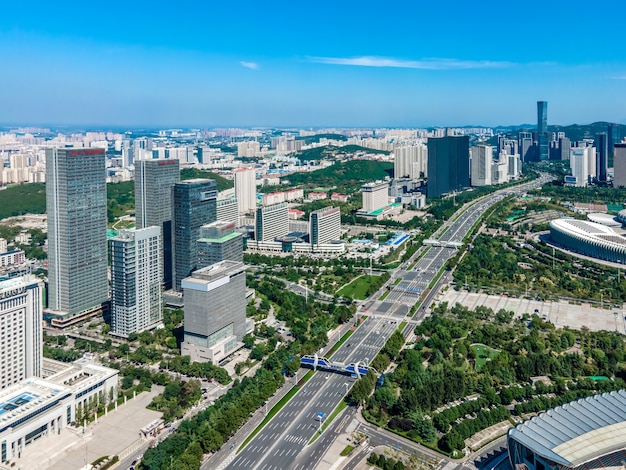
560 313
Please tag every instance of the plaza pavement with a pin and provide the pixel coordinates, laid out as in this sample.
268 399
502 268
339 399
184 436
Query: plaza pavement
560 313
112 434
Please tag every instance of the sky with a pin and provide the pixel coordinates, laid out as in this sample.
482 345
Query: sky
320 63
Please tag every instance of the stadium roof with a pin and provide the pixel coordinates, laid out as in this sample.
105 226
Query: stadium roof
577 432
589 231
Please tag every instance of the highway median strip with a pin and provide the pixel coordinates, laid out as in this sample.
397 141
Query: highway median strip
343 404
290 394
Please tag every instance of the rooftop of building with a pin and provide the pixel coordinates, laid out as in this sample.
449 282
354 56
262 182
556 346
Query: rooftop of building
18 282
217 271
26 397
222 239
578 432
81 374
589 230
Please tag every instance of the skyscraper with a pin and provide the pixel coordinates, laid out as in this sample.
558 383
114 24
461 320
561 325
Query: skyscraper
194 205
579 163
136 280
375 195
77 223
619 166
482 159
245 189
219 241
601 144
153 204
325 226
271 222
215 311
542 130
448 165
21 348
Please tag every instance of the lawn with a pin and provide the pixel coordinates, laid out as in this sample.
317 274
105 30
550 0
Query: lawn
483 354
357 289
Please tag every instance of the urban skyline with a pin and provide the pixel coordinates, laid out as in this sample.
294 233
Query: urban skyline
335 66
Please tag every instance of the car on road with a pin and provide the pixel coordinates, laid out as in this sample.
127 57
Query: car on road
232 446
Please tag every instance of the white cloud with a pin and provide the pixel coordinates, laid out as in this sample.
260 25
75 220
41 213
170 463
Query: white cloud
249 65
424 64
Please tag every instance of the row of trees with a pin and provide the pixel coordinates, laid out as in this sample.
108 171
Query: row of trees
205 370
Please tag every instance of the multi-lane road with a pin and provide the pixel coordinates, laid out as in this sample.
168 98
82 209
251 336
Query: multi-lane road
280 444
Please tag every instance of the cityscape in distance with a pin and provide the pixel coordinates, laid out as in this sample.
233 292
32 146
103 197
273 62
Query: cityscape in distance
267 242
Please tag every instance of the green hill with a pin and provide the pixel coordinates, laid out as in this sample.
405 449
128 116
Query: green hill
346 176
331 151
31 198
309 139
189 173
23 199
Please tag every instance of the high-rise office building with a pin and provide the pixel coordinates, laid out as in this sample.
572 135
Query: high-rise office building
375 195
482 159
228 210
136 280
542 130
245 189
21 350
215 311
153 204
619 165
525 145
579 164
271 222
602 156
613 137
325 226
219 241
448 165
194 204
76 201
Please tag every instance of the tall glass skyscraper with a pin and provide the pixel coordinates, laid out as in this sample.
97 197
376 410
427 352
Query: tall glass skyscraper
542 130
76 200
194 203
448 165
153 203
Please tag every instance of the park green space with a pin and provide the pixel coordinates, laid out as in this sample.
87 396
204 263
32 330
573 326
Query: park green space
483 354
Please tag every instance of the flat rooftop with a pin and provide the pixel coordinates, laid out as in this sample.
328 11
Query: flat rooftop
21 399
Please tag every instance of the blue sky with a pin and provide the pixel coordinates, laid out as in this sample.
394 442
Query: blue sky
322 63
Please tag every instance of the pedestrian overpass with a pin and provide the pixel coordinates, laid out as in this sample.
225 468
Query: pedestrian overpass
315 362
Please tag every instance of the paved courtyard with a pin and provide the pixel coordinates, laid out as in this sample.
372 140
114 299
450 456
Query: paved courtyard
109 436
560 313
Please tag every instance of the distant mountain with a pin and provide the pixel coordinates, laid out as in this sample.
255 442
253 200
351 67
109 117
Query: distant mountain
574 132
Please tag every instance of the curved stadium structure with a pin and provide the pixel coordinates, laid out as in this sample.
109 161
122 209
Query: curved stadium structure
586 434
590 239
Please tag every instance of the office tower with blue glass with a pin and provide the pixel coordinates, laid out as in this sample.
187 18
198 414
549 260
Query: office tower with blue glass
194 204
448 165
542 130
601 143
136 280
153 203
76 200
